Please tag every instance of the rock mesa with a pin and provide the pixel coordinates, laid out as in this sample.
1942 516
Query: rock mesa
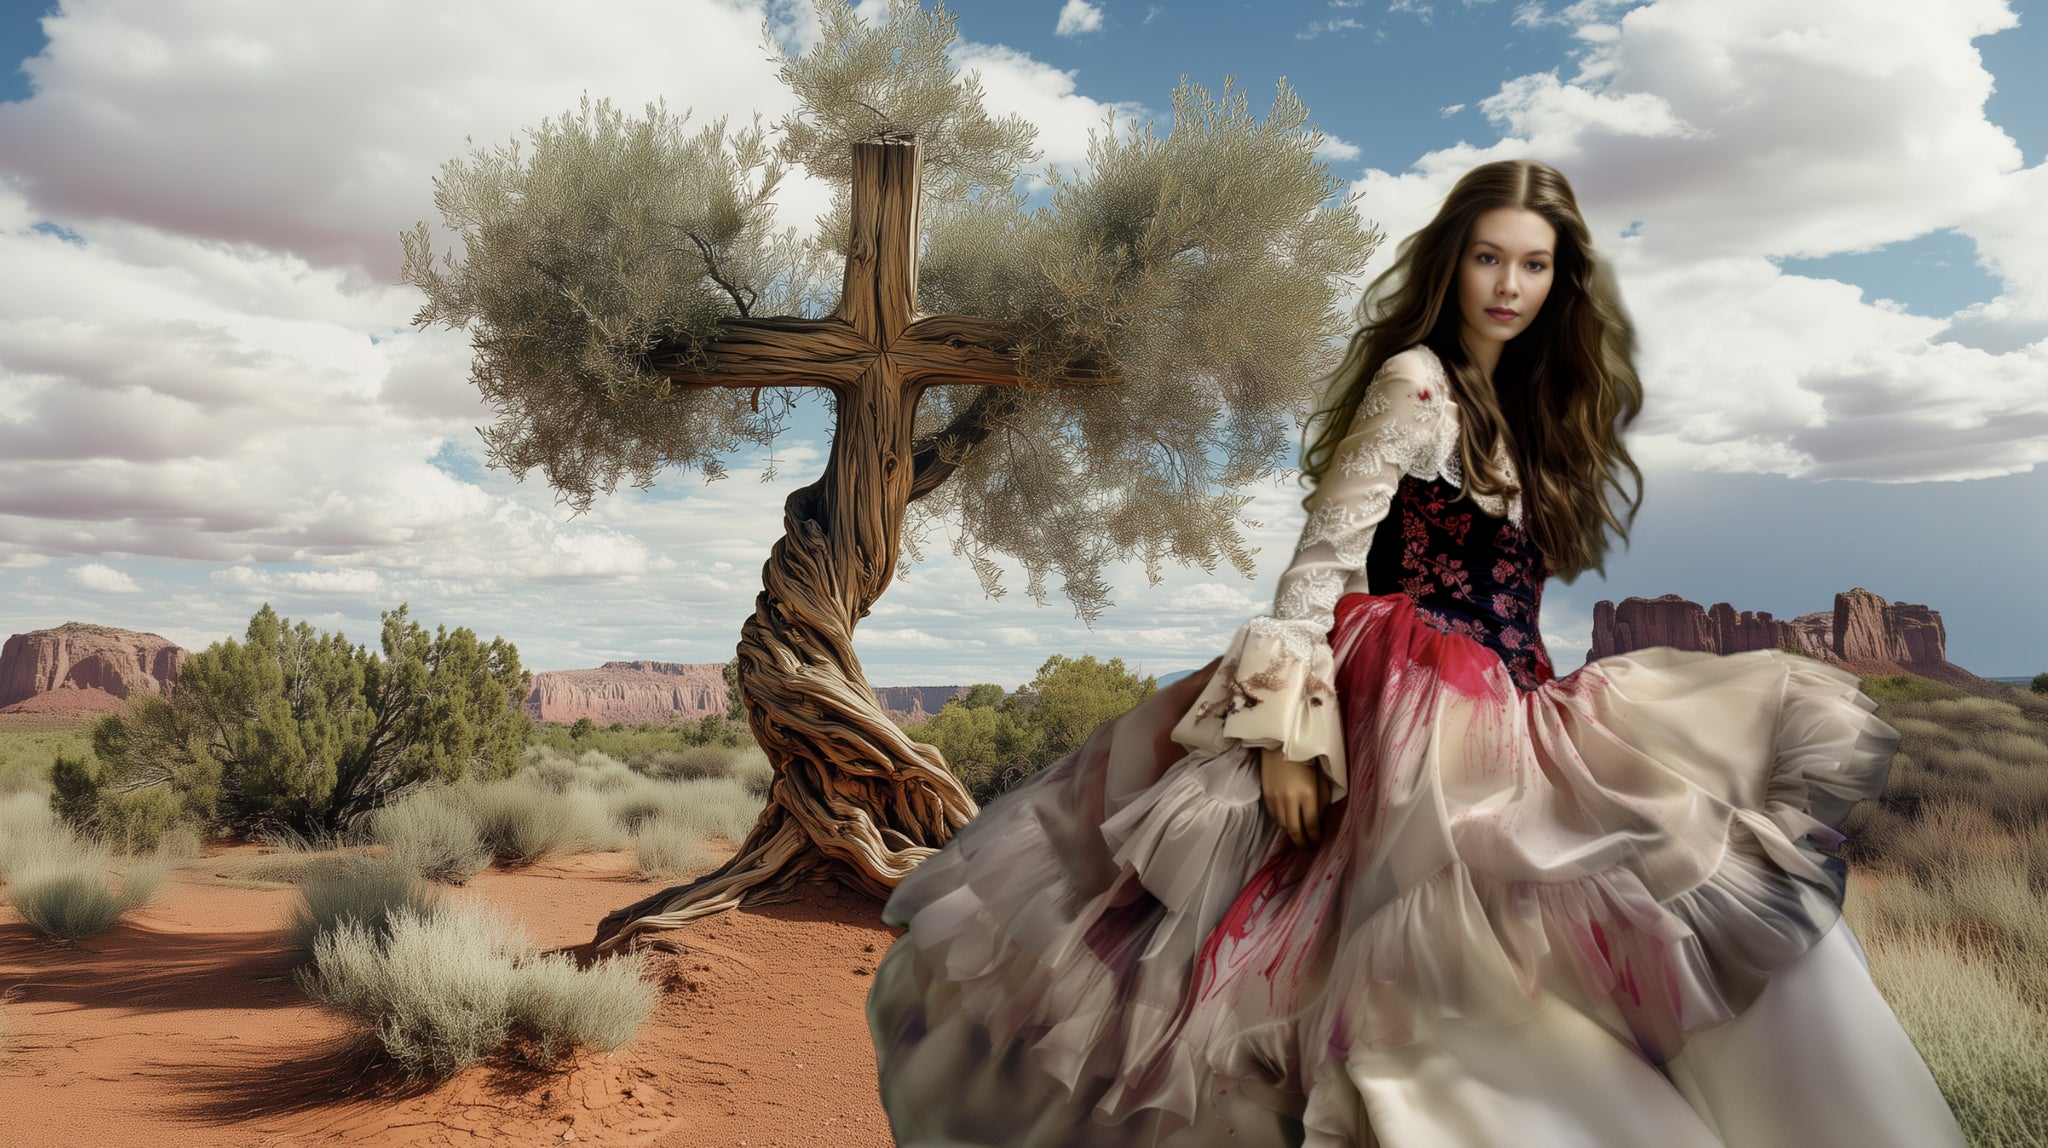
1863 633
637 692
82 668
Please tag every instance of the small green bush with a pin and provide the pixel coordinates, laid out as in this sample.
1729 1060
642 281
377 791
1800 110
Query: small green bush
68 898
432 838
446 987
368 896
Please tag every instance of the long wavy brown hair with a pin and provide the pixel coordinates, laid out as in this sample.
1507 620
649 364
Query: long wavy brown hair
1562 393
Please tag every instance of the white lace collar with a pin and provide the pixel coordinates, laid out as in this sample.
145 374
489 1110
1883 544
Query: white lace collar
1495 506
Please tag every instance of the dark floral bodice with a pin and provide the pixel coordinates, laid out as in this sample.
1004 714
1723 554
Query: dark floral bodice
1467 572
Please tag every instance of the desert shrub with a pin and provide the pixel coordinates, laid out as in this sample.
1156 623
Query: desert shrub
289 866
559 1006
524 822
368 894
26 756
139 822
434 988
68 897
443 988
721 807
672 847
690 764
29 832
1906 687
1985 1040
545 768
754 772
630 743
303 729
431 837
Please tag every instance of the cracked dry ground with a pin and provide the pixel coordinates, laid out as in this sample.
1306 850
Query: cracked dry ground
182 1026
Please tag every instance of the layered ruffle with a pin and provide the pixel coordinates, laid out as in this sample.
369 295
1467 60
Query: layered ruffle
1275 688
1642 840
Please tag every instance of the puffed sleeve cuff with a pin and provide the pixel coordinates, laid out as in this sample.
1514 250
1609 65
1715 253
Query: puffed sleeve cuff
1275 687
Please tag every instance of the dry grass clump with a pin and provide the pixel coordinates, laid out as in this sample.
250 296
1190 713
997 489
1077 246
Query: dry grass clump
432 837
442 988
524 821
692 763
1956 926
66 887
68 897
367 894
1983 1035
672 847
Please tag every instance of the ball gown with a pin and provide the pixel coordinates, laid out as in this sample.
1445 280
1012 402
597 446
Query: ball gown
1544 912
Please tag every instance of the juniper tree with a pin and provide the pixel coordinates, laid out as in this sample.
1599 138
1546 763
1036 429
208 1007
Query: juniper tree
1088 382
299 729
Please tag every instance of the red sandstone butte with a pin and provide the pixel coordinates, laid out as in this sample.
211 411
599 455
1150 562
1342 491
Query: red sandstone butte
1863 634
631 692
82 668
637 692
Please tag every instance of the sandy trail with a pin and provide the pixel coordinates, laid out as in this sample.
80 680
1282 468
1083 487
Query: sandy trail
182 1027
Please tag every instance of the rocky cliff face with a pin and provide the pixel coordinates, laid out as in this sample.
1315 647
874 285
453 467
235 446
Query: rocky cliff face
629 692
1863 634
84 668
636 692
916 703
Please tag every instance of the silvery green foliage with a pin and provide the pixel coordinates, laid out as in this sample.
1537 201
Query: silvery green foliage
443 987
614 237
1202 269
860 81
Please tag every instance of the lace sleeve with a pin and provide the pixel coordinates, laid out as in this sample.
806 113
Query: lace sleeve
1275 684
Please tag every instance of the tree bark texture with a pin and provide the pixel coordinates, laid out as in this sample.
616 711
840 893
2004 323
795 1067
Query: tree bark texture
853 800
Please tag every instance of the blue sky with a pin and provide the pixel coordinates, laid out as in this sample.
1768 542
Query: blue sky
211 397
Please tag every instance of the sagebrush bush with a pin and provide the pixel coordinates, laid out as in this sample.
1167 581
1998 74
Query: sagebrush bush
29 832
434 988
68 897
445 987
368 894
559 1006
720 807
432 837
754 771
525 822
672 847
698 761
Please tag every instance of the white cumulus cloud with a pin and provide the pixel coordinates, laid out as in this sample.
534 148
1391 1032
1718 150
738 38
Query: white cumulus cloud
1078 16
101 578
1721 137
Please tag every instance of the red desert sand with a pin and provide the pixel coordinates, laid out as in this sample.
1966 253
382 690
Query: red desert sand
182 1026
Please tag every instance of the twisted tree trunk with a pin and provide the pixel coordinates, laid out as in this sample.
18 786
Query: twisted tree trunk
853 800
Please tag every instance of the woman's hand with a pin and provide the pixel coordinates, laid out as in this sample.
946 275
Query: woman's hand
1295 794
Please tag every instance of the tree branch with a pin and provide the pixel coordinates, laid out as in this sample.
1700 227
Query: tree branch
746 305
930 466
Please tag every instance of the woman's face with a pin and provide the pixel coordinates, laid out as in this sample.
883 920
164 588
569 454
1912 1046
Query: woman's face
1504 274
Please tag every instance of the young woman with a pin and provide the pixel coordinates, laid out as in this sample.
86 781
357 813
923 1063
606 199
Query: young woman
1377 876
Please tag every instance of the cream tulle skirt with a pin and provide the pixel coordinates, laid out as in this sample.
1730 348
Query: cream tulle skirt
1593 914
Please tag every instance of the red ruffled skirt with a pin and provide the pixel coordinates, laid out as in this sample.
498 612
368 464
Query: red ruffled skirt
1595 913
